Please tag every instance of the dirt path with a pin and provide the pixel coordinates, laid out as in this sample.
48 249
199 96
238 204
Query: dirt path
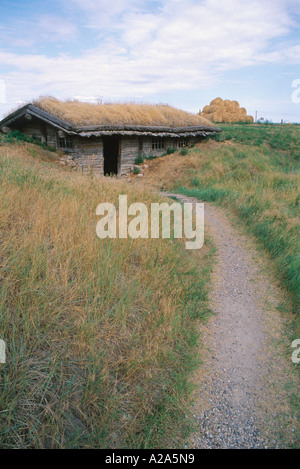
243 387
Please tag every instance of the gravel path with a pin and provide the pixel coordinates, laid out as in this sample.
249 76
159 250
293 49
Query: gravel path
240 399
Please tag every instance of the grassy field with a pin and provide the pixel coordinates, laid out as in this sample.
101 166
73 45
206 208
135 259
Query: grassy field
254 171
100 334
272 136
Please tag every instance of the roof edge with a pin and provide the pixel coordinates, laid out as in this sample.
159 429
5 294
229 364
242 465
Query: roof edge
145 128
35 112
69 128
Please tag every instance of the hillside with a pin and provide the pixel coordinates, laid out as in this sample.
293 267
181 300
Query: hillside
100 334
254 171
247 393
104 336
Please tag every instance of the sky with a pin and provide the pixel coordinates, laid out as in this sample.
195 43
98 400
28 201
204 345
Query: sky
182 53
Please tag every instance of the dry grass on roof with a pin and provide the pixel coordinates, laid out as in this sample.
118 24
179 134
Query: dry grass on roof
84 114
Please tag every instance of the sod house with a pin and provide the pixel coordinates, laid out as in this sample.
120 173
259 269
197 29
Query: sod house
107 138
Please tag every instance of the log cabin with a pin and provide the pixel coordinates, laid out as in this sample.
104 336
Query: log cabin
107 138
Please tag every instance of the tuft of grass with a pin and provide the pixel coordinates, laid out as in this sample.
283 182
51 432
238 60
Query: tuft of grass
184 151
139 159
16 136
150 157
170 150
136 170
100 334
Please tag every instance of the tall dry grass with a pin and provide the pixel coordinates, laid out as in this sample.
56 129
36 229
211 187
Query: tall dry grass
84 114
100 334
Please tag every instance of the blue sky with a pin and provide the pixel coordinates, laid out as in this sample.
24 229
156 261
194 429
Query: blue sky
184 53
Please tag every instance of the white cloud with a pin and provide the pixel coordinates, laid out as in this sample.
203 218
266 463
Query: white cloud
41 29
55 28
105 14
2 92
174 45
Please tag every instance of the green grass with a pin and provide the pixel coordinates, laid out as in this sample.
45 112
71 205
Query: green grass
100 334
139 159
170 150
184 151
256 176
136 170
150 157
277 137
15 136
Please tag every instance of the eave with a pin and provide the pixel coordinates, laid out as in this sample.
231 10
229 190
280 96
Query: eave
102 130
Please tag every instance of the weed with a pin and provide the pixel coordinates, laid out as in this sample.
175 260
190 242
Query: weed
139 159
150 157
170 150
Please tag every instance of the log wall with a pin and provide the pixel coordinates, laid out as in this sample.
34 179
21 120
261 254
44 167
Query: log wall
148 150
87 153
35 128
130 149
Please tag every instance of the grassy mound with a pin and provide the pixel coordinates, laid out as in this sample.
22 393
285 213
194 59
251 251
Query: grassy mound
84 114
254 171
100 334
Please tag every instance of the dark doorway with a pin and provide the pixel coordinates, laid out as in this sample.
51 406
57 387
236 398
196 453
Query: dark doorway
111 154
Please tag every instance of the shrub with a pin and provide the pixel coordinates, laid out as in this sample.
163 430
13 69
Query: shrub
17 135
184 151
139 159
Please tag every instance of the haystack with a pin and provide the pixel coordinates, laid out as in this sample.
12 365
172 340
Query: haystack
216 101
220 110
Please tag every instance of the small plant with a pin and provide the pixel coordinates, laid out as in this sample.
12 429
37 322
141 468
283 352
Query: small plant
16 134
136 170
170 150
139 159
33 152
151 157
47 147
184 151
